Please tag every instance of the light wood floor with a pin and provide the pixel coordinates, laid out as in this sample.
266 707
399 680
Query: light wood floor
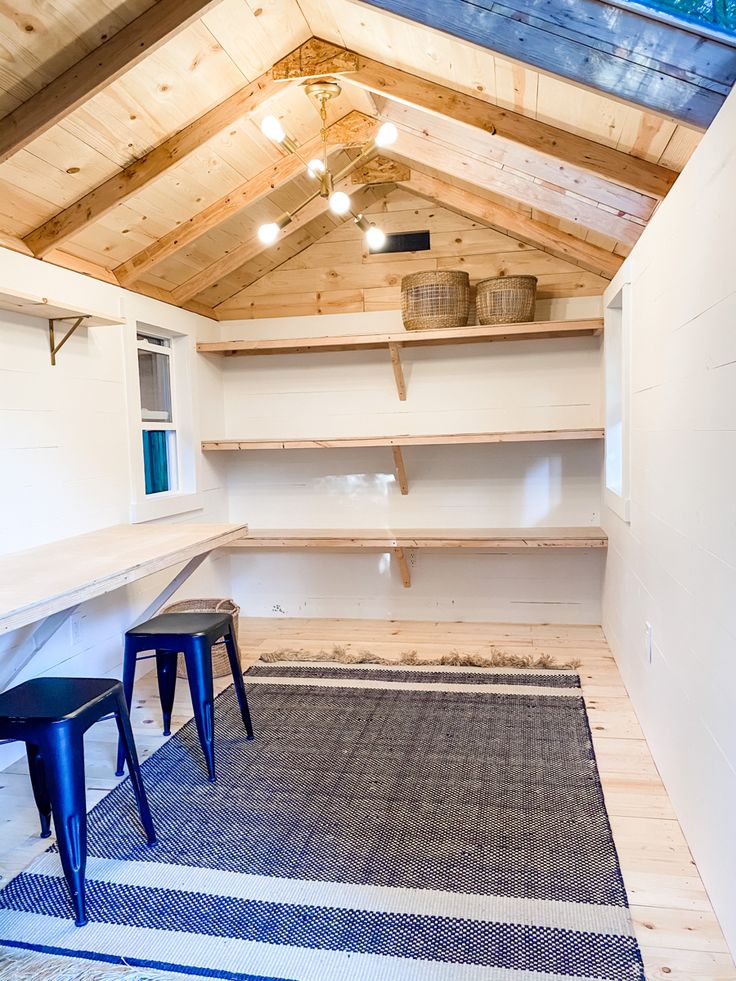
677 929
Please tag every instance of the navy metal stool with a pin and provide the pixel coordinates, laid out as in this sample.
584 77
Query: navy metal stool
192 634
51 716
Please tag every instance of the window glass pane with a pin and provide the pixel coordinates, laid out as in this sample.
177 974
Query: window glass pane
159 460
719 13
153 371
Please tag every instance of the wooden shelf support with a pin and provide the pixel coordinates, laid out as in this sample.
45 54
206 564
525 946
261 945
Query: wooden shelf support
400 555
400 470
393 350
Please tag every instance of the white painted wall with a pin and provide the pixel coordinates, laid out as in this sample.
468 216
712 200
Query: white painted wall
65 460
674 565
504 386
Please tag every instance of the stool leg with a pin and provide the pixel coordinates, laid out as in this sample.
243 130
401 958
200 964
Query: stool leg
131 757
40 787
198 656
129 659
64 762
166 662
232 655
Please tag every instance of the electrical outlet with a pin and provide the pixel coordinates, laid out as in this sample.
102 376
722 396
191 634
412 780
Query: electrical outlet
648 642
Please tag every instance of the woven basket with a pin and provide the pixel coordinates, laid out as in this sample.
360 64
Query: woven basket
220 662
506 300
435 300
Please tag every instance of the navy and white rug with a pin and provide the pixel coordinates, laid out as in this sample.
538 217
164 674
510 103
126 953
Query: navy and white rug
388 824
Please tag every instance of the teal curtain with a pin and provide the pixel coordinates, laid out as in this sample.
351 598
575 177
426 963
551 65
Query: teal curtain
156 460
719 13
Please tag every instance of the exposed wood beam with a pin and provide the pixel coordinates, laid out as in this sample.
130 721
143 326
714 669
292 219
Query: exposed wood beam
249 250
137 175
315 58
451 157
669 70
157 25
541 236
268 180
580 153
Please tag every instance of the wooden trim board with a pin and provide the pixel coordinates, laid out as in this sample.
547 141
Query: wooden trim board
440 439
405 338
38 582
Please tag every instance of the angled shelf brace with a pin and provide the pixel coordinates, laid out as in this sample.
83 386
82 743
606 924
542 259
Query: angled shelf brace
54 348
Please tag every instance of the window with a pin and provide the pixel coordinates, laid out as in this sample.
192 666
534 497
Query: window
404 242
158 422
709 13
616 354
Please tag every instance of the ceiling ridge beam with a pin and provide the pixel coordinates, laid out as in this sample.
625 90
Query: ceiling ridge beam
137 175
536 233
97 69
585 154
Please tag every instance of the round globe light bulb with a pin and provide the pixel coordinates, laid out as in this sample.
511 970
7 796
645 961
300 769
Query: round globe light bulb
339 203
315 167
387 135
375 238
269 233
272 128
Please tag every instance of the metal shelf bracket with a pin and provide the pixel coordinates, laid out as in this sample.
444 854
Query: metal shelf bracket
54 348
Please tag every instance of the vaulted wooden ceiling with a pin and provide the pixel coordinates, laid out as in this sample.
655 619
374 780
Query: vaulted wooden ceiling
131 147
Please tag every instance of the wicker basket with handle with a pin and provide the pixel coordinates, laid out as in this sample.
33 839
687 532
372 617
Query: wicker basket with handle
506 300
435 300
220 662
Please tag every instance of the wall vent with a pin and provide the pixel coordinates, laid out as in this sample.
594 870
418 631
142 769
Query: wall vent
404 242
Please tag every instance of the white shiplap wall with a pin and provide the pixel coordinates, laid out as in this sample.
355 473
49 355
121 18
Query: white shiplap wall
505 386
674 565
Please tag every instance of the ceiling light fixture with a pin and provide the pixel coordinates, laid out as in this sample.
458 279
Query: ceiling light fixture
318 169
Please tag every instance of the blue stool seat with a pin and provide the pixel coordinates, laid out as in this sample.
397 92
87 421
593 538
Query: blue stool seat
51 716
193 635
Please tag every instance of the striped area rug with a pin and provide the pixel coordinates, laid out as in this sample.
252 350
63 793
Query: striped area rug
388 824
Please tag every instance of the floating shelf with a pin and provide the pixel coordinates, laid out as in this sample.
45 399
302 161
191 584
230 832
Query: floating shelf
395 340
397 442
54 312
396 542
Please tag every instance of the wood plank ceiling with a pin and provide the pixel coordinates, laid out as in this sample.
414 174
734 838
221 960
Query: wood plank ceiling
154 172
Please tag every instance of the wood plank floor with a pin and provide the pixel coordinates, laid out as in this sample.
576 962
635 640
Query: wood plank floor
675 923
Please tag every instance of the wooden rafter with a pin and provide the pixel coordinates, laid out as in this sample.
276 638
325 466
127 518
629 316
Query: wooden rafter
601 45
157 25
467 164
268 180
249 250
536 233
540 137
136 176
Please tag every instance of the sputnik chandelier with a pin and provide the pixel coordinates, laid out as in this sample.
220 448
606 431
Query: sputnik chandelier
338 201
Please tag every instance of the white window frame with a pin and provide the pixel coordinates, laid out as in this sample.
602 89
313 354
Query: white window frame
617 370
185 497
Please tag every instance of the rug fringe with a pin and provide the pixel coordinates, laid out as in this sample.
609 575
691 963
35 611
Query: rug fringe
494 659
28 965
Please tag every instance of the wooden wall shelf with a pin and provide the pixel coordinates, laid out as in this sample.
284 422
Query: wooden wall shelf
397 542
397 442
55 313
394 341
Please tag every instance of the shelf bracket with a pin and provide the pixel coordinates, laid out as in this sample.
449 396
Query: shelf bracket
400 555
54 348
400 469
393 350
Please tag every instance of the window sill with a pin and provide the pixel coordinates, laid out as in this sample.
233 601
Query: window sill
619 505
164 505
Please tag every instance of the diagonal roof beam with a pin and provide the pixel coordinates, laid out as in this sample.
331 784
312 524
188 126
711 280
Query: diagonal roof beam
477 208
673 71
137 175
577 151
347 129
157 25
252 248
